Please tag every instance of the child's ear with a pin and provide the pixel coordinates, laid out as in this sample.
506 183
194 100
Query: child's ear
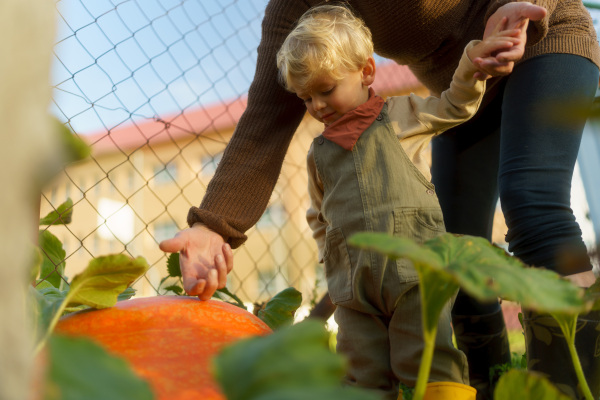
368 72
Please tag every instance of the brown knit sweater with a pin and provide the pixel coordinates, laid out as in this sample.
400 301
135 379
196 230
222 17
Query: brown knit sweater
427 35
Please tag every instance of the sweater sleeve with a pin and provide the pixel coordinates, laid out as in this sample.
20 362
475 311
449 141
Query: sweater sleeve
239 192
536 30
413 115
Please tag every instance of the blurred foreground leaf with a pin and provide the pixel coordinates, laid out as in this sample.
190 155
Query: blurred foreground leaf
523 385
293 363
80 369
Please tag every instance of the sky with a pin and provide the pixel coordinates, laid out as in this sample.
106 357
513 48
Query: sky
120 61
116 61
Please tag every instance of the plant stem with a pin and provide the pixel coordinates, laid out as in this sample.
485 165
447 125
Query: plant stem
568 328
425 367
585 388
52 325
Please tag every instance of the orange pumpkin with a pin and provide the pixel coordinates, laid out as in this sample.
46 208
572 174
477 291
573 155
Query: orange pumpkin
168 340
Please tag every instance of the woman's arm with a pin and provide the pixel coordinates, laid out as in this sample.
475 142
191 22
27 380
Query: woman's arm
239 192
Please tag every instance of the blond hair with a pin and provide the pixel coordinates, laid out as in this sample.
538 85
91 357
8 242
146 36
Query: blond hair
327 41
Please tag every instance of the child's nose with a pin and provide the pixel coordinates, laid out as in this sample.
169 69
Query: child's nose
318 103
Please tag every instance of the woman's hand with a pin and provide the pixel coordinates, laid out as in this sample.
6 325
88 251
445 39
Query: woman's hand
204 258
499 40
517 15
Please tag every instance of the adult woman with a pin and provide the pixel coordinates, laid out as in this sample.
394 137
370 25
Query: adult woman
428 36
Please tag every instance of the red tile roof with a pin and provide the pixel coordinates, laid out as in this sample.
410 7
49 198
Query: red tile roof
391 78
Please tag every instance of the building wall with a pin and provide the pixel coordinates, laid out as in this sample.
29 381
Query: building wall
128 200
131 194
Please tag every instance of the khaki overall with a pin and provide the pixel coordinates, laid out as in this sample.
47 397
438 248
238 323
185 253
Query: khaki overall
376 188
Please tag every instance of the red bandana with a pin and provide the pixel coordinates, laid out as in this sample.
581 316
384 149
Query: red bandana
346 130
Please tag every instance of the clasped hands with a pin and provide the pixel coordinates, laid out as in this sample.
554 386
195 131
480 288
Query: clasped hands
518 15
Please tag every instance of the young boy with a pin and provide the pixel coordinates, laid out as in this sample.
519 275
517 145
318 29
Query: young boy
366 173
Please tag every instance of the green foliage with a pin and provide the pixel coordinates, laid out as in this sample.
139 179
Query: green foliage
173 265
236 300
63 214
407 392
53 266
522 385
292 363
80 369
75 148
98 286
177 289
483 270
486 272
280 310
104 279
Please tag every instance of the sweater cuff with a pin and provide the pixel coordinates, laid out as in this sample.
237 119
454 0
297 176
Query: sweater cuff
217 224
536 30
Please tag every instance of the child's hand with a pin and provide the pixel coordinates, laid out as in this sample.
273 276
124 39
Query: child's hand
518 15
483 55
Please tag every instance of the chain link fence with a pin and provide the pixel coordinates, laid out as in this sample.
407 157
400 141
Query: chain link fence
155 87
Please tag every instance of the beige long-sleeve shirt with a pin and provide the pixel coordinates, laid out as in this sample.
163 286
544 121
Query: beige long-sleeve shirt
415 121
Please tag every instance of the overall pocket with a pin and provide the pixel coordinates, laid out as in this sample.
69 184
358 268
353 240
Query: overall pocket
420 225
338 269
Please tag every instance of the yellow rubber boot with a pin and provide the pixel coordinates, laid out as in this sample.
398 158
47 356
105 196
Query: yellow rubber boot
449 391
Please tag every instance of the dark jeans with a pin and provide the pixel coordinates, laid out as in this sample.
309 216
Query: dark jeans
519 147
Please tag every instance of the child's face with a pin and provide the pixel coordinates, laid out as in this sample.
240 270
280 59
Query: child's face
327 99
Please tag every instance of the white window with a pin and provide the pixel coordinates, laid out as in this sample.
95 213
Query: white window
115 220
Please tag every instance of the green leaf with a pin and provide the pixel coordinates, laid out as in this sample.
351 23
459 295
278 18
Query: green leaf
63 215
292 363
437 288
53 265
104 279
178 290
173 265
280 310
50 292
237 301
75 148
483 270
523 385
80 369
126 294
44 309
396 247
